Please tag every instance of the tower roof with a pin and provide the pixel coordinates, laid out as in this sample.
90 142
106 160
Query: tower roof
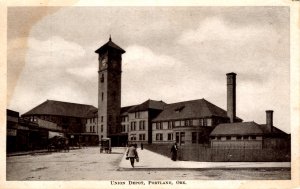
109 45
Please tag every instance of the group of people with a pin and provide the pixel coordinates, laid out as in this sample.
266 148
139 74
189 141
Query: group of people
132 154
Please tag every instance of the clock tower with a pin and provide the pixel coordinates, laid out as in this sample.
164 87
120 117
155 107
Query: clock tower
109 89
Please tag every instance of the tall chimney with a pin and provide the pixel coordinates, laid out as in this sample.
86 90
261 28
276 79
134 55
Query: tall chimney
269 120
231 96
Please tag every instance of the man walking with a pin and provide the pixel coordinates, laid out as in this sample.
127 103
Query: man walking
132 154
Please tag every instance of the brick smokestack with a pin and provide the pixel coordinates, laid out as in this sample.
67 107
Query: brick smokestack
231 96
269 120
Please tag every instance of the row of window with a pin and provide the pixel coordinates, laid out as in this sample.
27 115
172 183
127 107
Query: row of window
133 124
124 118
178 123
92 129
159 136
237 138
142 137
92 120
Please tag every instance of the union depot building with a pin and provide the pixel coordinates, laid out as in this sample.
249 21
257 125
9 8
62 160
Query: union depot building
193 124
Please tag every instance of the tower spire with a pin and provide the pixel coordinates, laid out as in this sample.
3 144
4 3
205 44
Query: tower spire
109 37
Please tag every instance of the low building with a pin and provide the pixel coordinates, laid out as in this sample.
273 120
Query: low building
24 134
249 135
70 116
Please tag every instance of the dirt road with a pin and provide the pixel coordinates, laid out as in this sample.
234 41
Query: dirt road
89 164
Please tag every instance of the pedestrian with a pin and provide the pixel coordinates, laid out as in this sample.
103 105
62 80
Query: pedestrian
174 150
142 146
132 154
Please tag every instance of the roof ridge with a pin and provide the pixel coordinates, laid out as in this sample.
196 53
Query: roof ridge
185 101
36 107
70 102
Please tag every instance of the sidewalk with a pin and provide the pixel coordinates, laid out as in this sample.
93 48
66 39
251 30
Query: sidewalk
151 160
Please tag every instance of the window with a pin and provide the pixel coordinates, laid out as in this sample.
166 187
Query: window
177 123
201 122
90 128
159 136
93 129
133 138
158 126
204 122
133 126
182 137
102 78
177 137
101 118
101 128
238 138
194 137
209 122
102 96
228 138
170 136
137 114
246 137
142 125
253 137
170 125
218 138
186 123
141 136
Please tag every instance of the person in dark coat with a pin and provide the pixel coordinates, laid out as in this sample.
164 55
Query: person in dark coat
132 154
174 150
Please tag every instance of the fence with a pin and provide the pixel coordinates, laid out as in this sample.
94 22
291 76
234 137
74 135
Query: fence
203 153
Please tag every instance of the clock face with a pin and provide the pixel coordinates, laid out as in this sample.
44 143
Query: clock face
104 62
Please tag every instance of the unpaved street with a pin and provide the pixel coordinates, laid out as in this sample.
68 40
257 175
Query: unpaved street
89 164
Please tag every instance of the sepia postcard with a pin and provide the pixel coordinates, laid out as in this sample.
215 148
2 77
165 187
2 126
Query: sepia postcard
142 94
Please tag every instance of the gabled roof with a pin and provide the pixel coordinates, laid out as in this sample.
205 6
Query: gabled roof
190 109
92 113
124 110
52 107
149 104
109 45
241 128
244 128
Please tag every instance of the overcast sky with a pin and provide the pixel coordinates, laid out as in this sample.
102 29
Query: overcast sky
172 54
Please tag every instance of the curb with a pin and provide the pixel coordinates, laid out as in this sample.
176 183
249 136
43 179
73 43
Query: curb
202 169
